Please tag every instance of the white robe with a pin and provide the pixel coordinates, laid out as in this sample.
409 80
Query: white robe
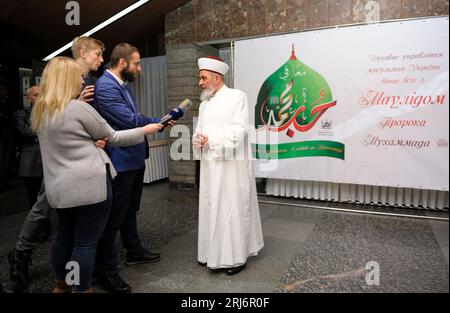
229 220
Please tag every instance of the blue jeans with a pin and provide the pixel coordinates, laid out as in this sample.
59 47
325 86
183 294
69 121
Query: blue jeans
78 232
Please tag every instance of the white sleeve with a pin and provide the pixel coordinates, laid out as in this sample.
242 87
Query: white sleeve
197 152
229 143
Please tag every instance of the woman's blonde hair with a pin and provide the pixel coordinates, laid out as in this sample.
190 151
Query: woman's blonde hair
60 83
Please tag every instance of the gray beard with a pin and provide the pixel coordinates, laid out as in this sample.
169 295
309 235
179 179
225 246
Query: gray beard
207 94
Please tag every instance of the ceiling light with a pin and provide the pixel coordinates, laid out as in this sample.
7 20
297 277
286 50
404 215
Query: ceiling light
100 26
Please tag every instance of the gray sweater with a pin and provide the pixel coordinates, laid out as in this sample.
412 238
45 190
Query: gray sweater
74 167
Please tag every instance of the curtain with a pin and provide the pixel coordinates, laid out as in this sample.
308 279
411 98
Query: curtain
374 195
150 91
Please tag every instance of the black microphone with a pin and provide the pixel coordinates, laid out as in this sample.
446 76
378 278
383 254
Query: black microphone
177 113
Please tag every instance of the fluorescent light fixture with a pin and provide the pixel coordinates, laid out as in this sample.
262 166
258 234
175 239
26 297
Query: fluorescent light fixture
100 26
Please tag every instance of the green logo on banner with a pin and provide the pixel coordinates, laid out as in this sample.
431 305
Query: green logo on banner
293 99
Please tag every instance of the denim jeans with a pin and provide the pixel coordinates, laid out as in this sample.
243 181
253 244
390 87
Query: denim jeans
78 232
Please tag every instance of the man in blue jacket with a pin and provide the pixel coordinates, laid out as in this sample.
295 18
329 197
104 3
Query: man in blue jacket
114 101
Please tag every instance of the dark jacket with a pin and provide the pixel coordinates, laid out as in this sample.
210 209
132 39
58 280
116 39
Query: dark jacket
30 159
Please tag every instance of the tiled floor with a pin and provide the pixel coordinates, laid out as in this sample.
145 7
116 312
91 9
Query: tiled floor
306 250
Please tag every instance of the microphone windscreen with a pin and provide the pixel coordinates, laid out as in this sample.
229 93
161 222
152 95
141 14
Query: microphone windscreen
185 105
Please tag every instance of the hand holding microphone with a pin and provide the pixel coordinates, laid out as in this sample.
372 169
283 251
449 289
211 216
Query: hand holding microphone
176 114
152 128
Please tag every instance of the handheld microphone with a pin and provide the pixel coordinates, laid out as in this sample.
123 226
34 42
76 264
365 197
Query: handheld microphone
176 113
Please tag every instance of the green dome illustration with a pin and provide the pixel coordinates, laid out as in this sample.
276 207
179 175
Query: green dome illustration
294 94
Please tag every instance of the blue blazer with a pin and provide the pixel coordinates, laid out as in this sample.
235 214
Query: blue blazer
116 104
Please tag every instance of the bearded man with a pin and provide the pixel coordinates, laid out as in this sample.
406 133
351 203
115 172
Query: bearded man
229 221
114 101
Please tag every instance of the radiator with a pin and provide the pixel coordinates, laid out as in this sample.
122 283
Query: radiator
157 165
375 195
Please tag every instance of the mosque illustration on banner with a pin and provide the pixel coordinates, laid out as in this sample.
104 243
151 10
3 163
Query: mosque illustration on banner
293 99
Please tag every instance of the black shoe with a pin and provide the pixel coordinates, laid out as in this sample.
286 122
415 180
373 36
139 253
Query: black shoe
19 270
114 283
235 270
202 264
46 230
147 257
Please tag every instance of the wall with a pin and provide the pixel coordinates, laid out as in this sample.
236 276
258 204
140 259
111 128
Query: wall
208 20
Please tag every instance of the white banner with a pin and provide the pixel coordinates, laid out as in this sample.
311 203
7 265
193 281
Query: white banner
360 105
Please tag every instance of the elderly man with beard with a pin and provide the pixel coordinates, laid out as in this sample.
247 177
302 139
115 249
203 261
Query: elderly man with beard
114 101
229 221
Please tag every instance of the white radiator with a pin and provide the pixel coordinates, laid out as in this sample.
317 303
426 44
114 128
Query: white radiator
391 196
157 165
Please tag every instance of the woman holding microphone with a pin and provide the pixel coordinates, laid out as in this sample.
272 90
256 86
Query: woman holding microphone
77 173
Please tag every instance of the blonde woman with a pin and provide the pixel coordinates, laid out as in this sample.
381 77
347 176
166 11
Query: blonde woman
77 174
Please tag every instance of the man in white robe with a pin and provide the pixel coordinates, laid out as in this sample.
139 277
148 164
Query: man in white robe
229 220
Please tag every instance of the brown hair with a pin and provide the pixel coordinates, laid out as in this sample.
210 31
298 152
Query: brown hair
122 51
86 43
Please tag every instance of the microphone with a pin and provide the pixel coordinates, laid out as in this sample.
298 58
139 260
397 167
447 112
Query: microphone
176 113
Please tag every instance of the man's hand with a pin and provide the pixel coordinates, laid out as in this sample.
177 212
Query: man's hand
201 141
204 140
172 123
102 143
87 94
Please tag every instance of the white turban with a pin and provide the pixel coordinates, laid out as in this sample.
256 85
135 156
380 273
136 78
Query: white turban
213 64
